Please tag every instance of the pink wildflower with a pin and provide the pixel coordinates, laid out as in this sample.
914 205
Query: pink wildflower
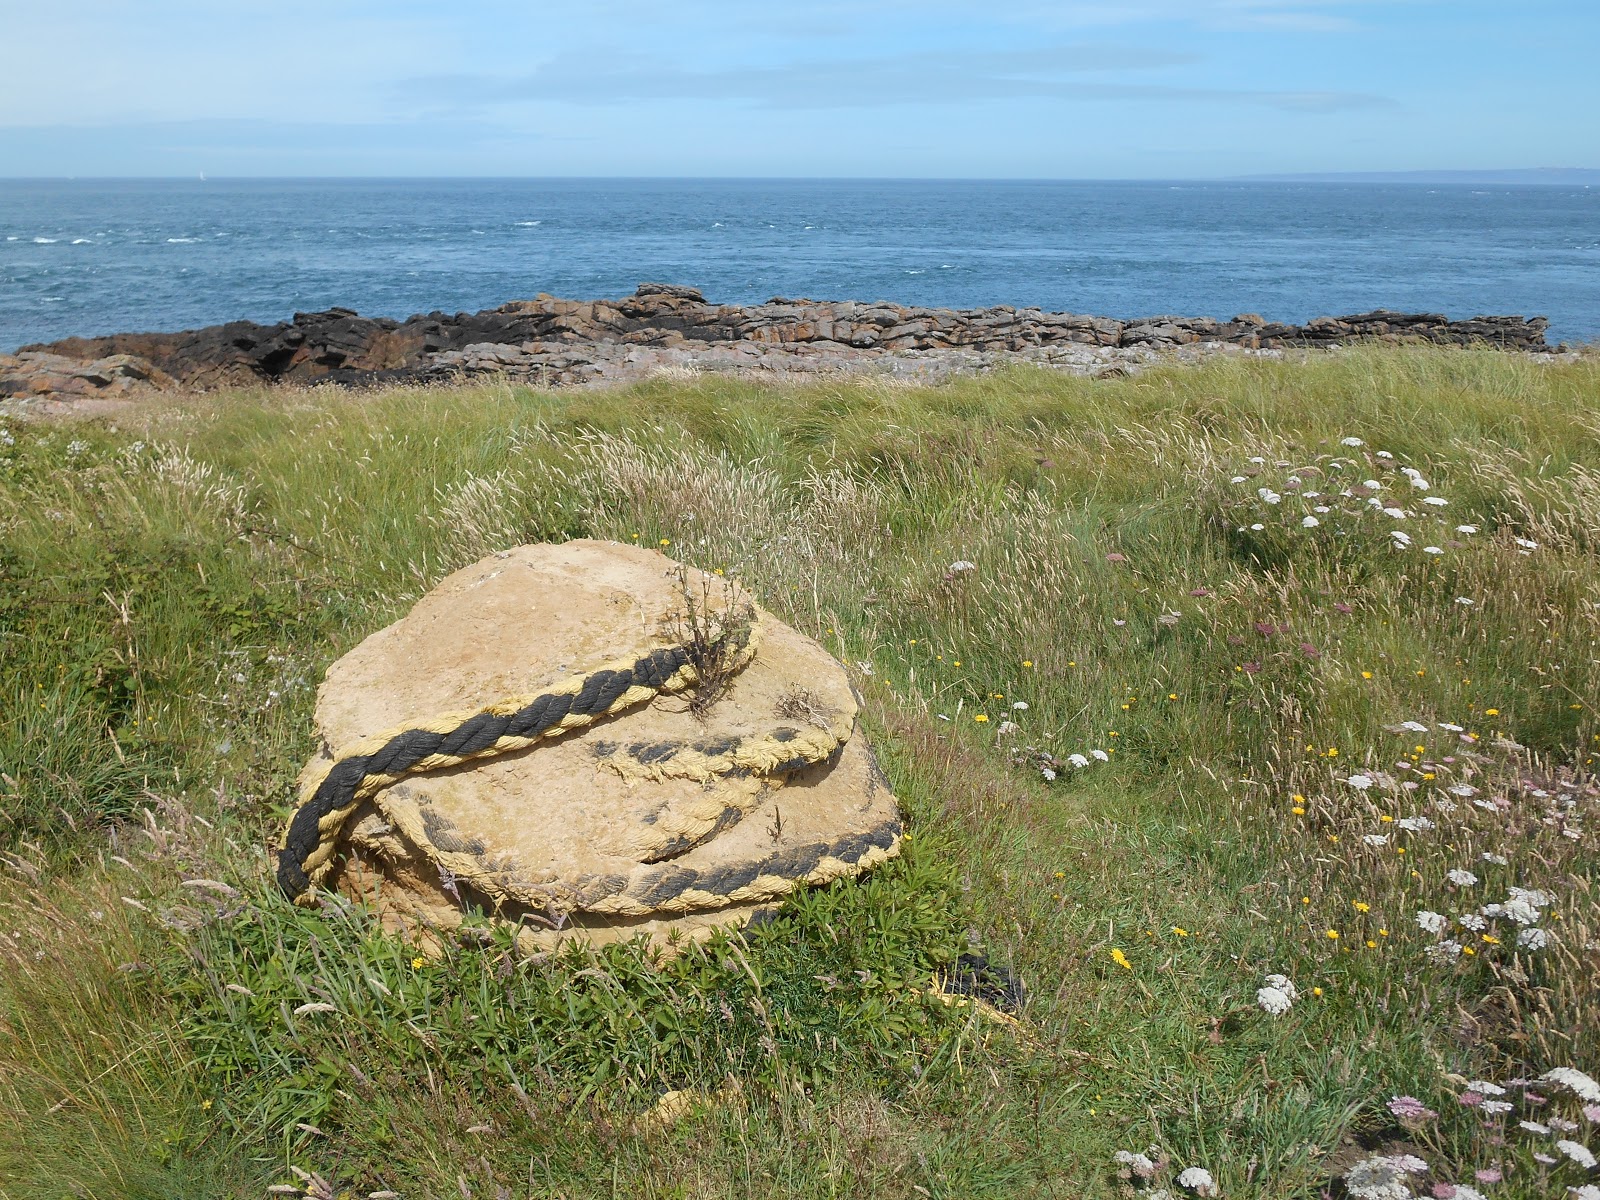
1409 1108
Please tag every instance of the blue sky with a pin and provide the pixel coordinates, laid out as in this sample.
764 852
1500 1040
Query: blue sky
922 88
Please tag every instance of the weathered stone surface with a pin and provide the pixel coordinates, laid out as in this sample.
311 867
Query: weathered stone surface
558 829
341 347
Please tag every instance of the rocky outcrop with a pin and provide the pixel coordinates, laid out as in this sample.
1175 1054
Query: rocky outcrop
556 341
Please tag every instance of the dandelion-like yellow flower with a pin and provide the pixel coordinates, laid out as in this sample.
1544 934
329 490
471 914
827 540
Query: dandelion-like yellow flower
1371 945
982 718
666 541
1121 959
1468 950
1305 899
1429 775
1383 933
1386 818
1361 906
1333 752
1298 811
1491 939
1181 932
1332 935
1172 695
1399 849
1027 664
1316 991
1491 712
958 662
1366 674
416 963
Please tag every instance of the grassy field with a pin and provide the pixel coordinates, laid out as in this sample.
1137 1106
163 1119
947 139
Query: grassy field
1185 680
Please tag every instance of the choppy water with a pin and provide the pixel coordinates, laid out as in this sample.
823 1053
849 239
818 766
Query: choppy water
91 257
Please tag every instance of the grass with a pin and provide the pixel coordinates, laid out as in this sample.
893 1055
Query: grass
1156 736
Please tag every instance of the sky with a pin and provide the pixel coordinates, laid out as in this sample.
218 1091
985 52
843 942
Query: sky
1076 89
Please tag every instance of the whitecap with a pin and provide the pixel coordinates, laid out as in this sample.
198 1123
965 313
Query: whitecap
81 241
810 226
917 271
42 241
181 241
528 224
13 238
716 224
479 231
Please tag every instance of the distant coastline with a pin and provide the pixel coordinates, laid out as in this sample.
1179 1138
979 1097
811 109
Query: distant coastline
1533 176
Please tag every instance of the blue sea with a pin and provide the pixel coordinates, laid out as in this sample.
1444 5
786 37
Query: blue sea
81 257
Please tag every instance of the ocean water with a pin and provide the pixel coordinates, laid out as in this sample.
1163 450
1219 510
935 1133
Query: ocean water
84 257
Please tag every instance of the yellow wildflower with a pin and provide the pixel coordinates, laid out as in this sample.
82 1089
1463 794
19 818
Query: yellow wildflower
1121 959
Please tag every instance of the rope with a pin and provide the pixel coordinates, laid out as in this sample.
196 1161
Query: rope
332 792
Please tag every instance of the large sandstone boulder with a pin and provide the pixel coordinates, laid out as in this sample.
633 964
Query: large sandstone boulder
666 817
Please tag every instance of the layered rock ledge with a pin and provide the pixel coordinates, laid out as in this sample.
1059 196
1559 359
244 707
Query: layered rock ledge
550 341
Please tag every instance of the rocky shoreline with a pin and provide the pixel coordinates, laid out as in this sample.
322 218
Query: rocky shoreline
665 329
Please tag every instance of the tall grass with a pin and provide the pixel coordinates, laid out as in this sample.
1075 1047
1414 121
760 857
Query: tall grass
1126 699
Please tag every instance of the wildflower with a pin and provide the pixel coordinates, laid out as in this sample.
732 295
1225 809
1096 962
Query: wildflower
1485 1087
1413 727
1578 1153
1027 664
1432 550
1534 1127
1463 600
1360 782
1332 935
1361 906
1121 959
1458 1191
1309 522
1526 543
1431 922
1139 1164
416 963
1574 1081
1436 501
1398 514
1587 1191
1376 839
981 718
1409 1108
1237 479
1497 1108
1197 1180
1473 922
1268 495
1532 938
1461 878
1100 755
961 566
1415 824
1402 539
1383 1177
666 541
1077 760
1019 706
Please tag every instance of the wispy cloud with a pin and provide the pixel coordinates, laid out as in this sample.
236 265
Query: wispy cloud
1068 72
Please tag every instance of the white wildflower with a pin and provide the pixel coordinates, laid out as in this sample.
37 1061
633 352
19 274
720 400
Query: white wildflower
1575 1081
1466 529
1322 508
1496 1108
1578 1153
1418 482
1431 922
1498 860
1526 543
1351 441
961 566
1019 706
1258 460
1485 1087
1309 522
1257 527
1100 755
1451 728
1413 727
1464 790
1461 878
1534 1127
1237 479
1384 454
1360 782
1402 539
1445 951
1375 839
1383 1177
1372 485
1077 760
1048 773
1436 501
1398 514
1273 1002
1433 549
1521 911
1197 1180
1465 1191
1532 938
1473 922
1465 600
1587 1191
1415 824
1140 1164
1267 494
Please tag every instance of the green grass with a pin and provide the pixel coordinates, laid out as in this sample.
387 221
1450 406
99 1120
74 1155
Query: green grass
172 590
